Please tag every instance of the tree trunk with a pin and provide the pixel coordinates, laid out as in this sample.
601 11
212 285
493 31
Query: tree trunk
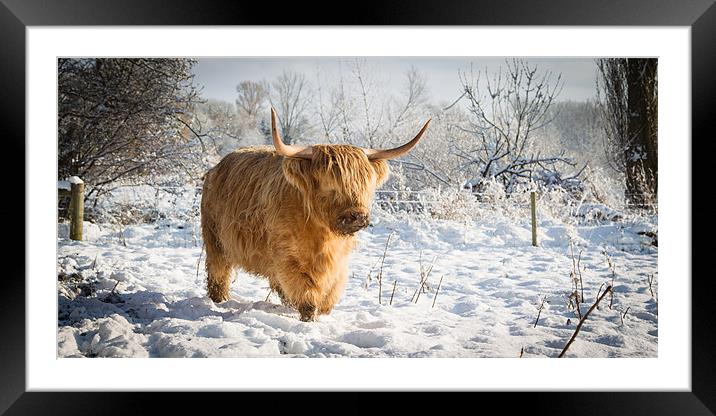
652 145
641 141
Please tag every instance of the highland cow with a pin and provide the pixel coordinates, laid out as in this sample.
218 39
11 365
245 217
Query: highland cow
289 214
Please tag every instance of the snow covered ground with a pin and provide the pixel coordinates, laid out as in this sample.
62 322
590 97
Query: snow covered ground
138 291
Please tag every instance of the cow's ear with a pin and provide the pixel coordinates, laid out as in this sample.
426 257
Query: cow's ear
381 169
298 174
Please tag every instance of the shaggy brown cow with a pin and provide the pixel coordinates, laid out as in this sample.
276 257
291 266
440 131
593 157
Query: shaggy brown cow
288 213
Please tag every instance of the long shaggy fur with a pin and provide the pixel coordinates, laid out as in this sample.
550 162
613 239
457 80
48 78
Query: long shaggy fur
276 217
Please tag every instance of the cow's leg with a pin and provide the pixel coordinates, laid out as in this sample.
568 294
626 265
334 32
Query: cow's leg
303 293
332 296
277 288
218 279
308 312
217 268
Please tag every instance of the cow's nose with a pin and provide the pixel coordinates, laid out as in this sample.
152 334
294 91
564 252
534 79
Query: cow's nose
357 217
352 221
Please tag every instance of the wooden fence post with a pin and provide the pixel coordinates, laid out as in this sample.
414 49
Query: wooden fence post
533 206
77 207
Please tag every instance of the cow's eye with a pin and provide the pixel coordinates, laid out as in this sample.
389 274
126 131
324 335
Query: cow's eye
328 195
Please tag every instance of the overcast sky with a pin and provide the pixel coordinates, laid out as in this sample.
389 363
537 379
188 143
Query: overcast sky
219 76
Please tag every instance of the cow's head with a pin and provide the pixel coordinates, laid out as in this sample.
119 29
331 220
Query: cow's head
337 182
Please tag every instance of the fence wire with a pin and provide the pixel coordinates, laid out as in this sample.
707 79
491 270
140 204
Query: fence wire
145 203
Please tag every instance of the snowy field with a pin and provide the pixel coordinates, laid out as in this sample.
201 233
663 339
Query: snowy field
138 290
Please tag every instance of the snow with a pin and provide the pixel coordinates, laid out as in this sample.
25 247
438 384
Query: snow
138 291
64 185
75 180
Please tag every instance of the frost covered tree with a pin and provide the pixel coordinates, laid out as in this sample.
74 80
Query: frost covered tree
125 119
219 122
228 127
290 95
576 127
370 101
402 111
353 110
359 109
399 117
328 112
628 99
431 164
506 109
251 97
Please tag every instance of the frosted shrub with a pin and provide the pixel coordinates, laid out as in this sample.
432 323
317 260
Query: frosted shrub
127 205
557 204
452 204
492 191
554 204
604 189
495 201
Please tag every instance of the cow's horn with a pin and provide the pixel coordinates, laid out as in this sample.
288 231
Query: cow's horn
287 150
374 154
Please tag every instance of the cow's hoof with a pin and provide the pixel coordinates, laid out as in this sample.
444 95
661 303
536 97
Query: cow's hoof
308 313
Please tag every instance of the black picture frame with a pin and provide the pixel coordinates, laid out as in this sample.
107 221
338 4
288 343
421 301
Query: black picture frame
16 15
